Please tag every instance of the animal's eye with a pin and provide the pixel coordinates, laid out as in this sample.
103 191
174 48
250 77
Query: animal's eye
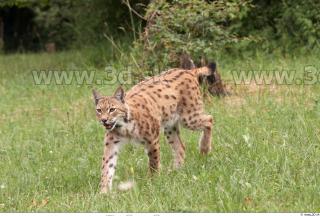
98 110
112 110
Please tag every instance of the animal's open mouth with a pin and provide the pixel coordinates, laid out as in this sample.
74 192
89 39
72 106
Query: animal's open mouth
109 125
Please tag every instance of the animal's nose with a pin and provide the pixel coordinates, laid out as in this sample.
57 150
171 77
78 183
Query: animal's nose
104 121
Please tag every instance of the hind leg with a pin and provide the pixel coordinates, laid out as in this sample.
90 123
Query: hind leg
205 140
178 148
203 122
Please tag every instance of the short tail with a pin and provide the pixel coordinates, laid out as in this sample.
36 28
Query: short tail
210 77
207 71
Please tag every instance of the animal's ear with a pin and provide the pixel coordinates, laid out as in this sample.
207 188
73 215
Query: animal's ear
119 94
96 96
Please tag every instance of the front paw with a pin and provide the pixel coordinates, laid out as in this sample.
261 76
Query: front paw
104 190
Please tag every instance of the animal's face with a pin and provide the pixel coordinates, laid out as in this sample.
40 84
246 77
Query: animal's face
111 110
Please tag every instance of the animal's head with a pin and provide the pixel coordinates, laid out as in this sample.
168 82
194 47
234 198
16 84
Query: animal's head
111 110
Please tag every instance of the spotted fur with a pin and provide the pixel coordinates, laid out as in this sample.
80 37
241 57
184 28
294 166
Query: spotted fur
169 100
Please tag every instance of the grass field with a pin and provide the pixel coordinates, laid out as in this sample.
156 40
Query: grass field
266 154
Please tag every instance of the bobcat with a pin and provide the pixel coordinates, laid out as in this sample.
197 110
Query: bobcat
167 101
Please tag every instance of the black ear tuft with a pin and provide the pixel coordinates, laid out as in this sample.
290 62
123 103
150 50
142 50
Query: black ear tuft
96 96
213 69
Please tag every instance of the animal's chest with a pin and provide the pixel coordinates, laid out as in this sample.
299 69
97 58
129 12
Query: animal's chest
128 131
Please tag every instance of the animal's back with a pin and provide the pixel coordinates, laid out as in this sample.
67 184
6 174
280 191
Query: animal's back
168 97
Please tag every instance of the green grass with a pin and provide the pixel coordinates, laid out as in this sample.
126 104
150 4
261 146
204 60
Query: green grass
265 158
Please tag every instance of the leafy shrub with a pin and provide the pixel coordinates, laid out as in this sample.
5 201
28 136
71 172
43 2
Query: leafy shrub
300 24
197 27
284 25
70 23
54 22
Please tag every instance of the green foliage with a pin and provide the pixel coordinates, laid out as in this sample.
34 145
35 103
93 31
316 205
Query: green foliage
300 23
205 28
76 23
92 20
193 26
284 25
18 3
54 21
201 28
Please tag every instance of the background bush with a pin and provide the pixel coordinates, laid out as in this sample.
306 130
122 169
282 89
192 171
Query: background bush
286 25
196 27
201 28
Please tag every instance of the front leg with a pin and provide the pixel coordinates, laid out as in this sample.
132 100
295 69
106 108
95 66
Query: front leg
109 161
